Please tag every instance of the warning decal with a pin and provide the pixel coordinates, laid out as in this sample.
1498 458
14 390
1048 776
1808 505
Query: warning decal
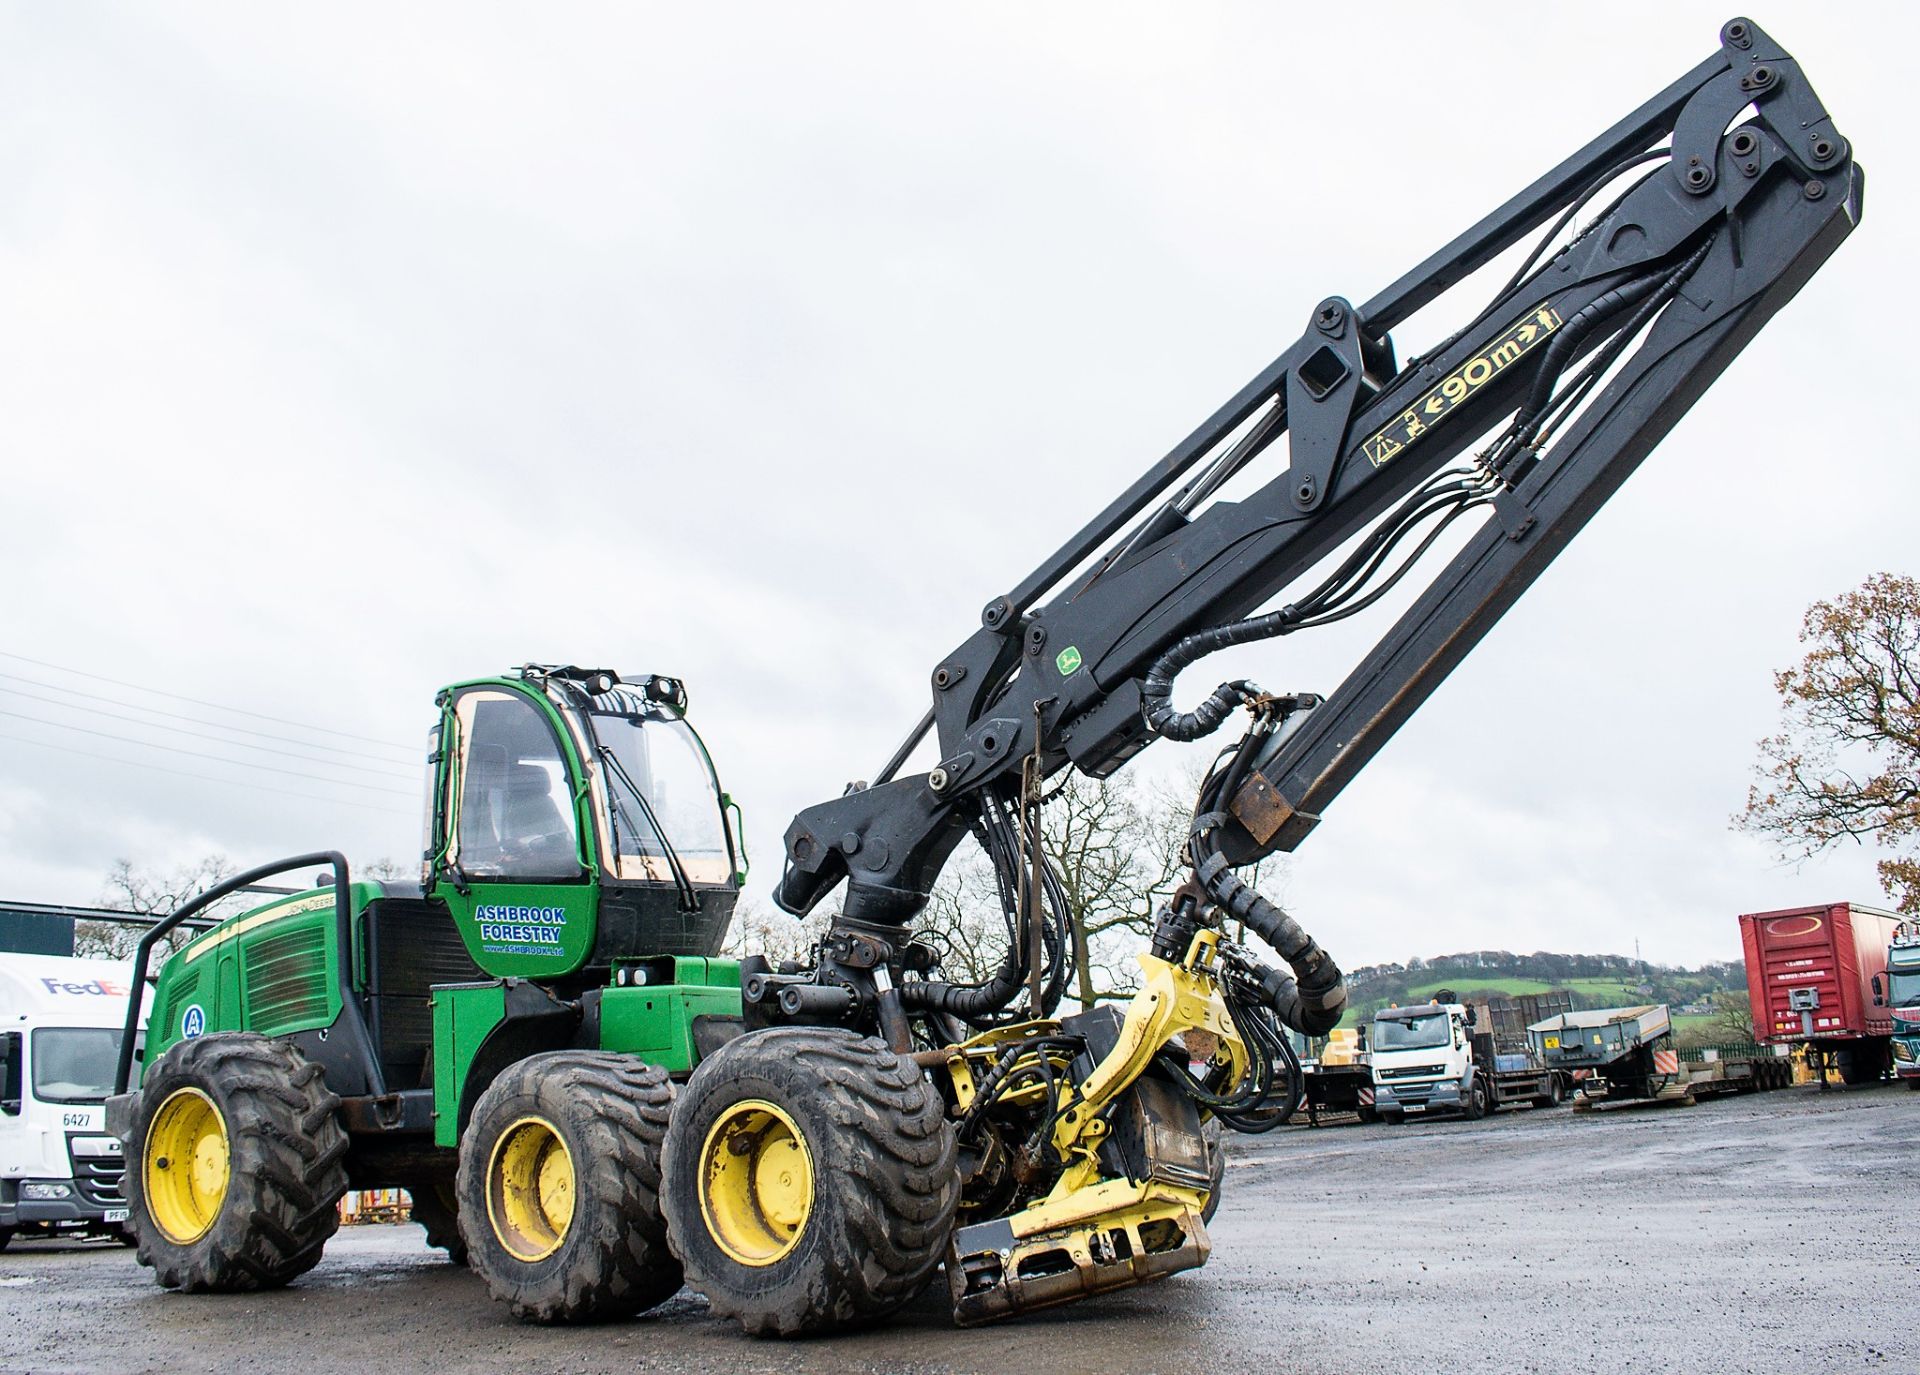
1461 383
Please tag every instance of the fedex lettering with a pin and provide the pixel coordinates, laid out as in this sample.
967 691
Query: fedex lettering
99 988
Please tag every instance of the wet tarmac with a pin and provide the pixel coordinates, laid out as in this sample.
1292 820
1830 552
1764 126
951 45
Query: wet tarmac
1754 1235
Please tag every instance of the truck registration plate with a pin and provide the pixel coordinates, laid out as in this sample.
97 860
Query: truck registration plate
115 1215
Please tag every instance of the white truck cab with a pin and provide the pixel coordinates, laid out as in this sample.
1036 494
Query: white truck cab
61 1021
1423 1061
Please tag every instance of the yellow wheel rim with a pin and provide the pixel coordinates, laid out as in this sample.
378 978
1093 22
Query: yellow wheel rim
185 1165
530 1189
756 1182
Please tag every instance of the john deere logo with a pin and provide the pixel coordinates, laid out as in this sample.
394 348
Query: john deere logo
1068 661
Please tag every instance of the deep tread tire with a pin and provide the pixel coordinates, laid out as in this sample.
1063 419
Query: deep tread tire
287 1168
434 1208
886 1180
611 1111
1474 1106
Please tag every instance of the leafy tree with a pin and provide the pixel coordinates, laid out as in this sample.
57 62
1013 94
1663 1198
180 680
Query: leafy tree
1845 764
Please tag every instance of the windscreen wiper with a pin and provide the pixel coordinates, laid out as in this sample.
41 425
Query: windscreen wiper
689 899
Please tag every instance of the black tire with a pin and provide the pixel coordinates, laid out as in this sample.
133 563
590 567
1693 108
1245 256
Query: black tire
1474 1106
435 1209
1367 1115
1216 1166
286 1164
1864 1063
611 1259
1394 1119
884 1179
1551 1098
6 1236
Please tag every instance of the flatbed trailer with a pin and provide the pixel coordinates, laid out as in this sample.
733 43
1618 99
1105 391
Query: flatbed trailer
1627 1055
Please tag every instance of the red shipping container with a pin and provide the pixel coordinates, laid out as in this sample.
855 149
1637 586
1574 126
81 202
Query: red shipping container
1812 968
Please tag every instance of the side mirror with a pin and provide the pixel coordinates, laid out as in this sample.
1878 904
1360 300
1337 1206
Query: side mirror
736 836
11 1076
1879 993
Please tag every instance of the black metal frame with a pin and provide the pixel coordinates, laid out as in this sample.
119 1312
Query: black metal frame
350 1010
1751 212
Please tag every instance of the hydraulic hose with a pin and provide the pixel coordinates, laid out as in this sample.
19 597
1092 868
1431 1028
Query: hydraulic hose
1649 293
969 1001
1156 690
1314 999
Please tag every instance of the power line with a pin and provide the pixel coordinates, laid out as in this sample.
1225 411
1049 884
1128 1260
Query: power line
202 735
200 721
205 778
201 754
201 702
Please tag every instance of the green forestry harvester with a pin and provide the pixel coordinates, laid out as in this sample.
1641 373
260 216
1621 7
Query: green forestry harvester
496 1039
540 1042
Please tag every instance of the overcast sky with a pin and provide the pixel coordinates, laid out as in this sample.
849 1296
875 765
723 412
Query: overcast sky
350 351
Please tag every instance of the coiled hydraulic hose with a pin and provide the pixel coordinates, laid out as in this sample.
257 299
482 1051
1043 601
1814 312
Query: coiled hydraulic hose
1313 1001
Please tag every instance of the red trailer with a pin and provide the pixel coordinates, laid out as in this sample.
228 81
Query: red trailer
1816 977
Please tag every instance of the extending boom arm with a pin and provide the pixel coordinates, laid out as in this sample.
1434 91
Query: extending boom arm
1576 370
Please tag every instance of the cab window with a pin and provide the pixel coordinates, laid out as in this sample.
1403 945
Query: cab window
515 813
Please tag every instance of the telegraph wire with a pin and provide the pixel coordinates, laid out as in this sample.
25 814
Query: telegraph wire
202 735
202 702
201 754
196 720
204 778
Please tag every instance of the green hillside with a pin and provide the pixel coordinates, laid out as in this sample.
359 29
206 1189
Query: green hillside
1603 992
1593 980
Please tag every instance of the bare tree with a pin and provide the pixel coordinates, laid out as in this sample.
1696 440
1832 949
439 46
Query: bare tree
1733 1015
130 888
1120 851
1846 762
963 920
760 930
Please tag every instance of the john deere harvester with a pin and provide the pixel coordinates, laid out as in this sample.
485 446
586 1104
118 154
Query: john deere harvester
497 1039
856 1120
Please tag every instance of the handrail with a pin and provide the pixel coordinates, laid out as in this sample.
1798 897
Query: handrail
343 919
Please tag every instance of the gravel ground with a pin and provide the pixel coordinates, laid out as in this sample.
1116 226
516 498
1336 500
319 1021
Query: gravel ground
1753 1234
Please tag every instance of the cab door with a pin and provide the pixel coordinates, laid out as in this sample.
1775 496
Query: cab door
511 853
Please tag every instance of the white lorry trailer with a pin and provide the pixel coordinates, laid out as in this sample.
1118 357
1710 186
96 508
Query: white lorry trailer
61 1022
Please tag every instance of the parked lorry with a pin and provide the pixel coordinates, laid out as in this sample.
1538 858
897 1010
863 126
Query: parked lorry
1452 1057
1627 1054
61 1022
1902 991
1816 978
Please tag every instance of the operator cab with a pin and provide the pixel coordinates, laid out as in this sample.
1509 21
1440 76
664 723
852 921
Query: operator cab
575 819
